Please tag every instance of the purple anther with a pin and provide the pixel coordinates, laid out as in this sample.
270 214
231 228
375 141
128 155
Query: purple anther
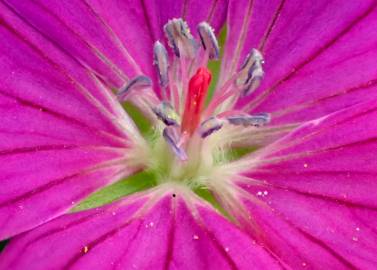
209 40
136 83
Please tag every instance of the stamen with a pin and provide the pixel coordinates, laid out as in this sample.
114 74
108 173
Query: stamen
251 72
209 40
172 137
160 56
209 126
166 113
198 88
180 38
256 120
138 82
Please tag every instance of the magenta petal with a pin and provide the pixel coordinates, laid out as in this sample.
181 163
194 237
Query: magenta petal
38 184
60 136
319 199
44 55
319 56
74 28
31 80
126 235
114 39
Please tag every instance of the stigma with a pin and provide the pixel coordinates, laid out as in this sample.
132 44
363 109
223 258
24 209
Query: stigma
197 92
184 82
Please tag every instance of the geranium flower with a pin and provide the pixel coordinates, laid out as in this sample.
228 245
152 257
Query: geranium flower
278 171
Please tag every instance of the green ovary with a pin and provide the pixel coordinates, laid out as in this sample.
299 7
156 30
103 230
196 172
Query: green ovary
203 160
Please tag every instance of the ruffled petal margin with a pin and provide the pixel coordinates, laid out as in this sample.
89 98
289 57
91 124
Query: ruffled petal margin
151 231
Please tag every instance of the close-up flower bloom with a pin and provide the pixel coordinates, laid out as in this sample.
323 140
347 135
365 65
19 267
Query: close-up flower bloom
195 134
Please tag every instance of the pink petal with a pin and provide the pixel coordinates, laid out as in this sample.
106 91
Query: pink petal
319 56
318 193
35 80
24 35
41 183
114 39
126 235
74 28
59 141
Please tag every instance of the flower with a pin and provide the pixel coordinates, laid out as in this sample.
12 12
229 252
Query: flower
292 94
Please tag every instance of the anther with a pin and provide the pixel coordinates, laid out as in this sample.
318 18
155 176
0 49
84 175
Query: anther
166 113
172 137
209 126
180 38
208 39
255 120
136 83
160 57
251 72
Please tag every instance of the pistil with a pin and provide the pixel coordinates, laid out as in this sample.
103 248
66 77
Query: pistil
197 92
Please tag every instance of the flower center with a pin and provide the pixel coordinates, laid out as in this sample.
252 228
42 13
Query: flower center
192 140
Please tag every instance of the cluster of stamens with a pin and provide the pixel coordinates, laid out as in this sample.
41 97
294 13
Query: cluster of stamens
184 81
